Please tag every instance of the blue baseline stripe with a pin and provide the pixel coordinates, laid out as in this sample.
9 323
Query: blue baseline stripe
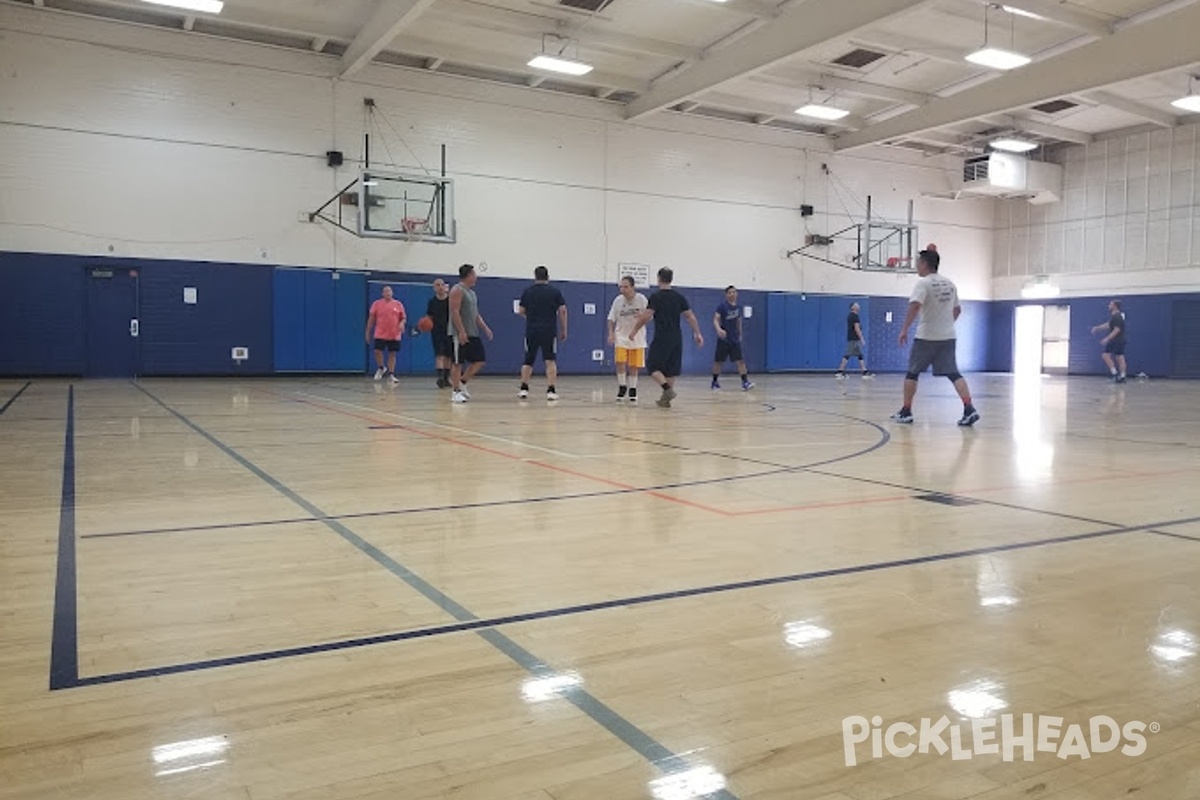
64 641
625 731
626 602
13 399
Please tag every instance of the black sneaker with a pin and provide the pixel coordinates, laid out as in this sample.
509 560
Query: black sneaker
969 418
633 395
903 416
1120 379
621 390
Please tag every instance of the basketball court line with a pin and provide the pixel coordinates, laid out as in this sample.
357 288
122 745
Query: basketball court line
64 636
13 399
642 743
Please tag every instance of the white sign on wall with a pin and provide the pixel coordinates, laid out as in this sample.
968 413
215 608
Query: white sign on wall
589 308
189 295
639 272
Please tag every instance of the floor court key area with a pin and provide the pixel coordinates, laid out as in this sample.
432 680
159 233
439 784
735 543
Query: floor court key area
333 589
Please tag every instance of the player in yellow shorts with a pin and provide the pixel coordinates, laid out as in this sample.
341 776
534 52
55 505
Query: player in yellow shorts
630 353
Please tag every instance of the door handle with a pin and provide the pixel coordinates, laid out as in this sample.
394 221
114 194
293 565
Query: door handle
133 328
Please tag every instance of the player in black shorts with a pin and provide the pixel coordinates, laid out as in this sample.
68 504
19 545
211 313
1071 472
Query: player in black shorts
1114 343
664 361
438 310
545 313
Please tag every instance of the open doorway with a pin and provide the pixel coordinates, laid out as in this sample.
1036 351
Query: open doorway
1042 340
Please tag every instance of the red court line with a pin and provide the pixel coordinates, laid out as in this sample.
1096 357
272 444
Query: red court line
511 457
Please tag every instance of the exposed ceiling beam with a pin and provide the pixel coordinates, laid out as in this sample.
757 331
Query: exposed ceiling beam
864 89
1158 116
798 28
1041 129
1064 15
390 17
762 9
521 23
444 55
766 108
899 43
1166 43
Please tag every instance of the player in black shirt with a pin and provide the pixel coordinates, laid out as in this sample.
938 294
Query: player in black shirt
1114 343
854 344
664 361
438 310
545 313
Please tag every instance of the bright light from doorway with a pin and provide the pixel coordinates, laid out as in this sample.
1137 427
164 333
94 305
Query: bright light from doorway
207 6
1027 343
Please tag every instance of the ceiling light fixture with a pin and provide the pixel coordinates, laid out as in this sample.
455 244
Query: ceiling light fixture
1020 12
207 6
1014 145
566 66
996 57
819 111
1191 102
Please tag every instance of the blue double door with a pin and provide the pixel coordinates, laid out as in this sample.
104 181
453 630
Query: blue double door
416 351
808 332
320 319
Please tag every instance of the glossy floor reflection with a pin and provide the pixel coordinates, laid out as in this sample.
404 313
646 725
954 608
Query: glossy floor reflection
335 590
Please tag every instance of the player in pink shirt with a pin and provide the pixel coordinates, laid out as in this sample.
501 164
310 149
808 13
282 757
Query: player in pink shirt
386 319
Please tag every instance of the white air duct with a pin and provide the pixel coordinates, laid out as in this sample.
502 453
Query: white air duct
1012 176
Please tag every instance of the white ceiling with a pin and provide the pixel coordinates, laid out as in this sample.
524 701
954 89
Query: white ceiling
756 61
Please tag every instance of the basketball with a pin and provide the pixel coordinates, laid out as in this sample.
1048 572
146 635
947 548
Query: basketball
425 325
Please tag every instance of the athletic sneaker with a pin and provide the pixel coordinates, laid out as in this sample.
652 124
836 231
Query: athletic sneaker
747 385
667 396
463 391
1120 379
379 373
969 418
393 379
621 390
633 395
866 376
459 397
903 417
716 386
841 376
551 395
442 383
522 393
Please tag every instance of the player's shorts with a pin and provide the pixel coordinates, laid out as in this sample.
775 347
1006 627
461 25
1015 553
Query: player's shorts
547 343
940 354
470 353
634 357
391 345
665 357
853 349
728 351
442 346
1115 348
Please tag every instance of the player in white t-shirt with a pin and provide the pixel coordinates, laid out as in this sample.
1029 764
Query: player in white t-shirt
935 299
630 353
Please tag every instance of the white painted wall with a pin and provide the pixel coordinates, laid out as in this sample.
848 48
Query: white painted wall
1129 221
128 141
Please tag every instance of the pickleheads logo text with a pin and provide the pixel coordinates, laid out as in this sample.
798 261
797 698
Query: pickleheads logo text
1006 736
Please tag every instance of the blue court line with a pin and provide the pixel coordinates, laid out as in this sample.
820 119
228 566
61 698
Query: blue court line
639 741
777 469
476 624
64 641
13 399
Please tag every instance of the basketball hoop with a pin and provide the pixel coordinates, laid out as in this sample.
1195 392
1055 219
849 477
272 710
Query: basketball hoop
415 227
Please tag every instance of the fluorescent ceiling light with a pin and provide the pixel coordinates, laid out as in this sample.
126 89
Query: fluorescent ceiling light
563 65
1014 145
208 6
1189 103
995 58
818 111
1020 12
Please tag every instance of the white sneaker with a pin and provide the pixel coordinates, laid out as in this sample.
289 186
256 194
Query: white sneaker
458 397
394 380
841 376
379 373
522 393
551 395
463 391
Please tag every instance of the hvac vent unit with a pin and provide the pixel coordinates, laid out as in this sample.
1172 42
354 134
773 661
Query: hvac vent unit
1054 106
593 6
1011 176
857 58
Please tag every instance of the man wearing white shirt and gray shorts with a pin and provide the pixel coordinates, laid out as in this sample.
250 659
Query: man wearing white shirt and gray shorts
935 299
629 351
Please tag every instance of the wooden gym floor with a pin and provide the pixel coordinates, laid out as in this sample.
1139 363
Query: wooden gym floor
334 589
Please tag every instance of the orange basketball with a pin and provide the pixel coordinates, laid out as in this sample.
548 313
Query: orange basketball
425 325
